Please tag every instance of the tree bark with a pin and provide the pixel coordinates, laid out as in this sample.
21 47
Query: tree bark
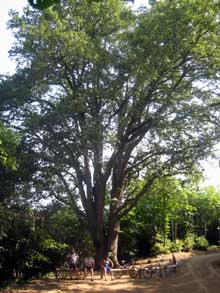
99 245
98 236
114 230
96 222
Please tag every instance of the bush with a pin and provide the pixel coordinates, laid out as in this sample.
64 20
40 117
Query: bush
189 242
201 243
159 248
177 246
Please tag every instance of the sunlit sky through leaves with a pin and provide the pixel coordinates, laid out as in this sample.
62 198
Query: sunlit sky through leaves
7 66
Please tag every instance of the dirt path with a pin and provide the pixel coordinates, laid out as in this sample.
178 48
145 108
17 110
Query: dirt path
196 274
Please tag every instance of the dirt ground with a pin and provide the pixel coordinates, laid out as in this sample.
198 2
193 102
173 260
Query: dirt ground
198 273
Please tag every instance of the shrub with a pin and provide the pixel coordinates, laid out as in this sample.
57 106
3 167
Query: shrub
201 243
159 248
177 245
189 242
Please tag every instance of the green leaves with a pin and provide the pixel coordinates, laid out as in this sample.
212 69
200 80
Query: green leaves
105 97
43 4
8 145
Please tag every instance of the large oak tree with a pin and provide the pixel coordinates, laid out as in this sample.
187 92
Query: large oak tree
105 96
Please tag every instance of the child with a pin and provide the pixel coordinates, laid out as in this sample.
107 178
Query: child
106 267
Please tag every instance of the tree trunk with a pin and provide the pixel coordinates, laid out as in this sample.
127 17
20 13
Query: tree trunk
100 248
172 231
99 241
114 229
176 225
95 218
205 229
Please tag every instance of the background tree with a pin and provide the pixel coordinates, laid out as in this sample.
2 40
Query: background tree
207 212
162 216
105 97
42 4
8 144
191 215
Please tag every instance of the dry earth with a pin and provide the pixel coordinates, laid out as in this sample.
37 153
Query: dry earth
196 274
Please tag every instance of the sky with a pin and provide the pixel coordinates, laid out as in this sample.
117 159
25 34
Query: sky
6 38
7 66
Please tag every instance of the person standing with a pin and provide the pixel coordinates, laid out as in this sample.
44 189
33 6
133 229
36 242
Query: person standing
89 265
73 259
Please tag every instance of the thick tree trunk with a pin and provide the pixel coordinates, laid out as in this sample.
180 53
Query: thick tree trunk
99 235
100 250
105 246
96 230
113 241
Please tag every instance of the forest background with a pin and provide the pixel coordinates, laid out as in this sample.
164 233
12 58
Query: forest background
173 213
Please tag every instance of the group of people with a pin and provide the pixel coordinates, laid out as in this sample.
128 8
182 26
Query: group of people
89 264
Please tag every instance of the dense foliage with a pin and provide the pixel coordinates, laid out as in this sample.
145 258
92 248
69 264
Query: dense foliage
43 4
176 216
108 105
35 242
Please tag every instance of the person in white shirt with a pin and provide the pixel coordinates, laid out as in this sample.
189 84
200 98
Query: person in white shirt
89 265
73 259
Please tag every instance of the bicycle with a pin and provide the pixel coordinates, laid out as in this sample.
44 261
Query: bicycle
156 269
64 272
172 266
124 269
137 272
131 270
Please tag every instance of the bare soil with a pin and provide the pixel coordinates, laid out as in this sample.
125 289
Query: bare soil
197 273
